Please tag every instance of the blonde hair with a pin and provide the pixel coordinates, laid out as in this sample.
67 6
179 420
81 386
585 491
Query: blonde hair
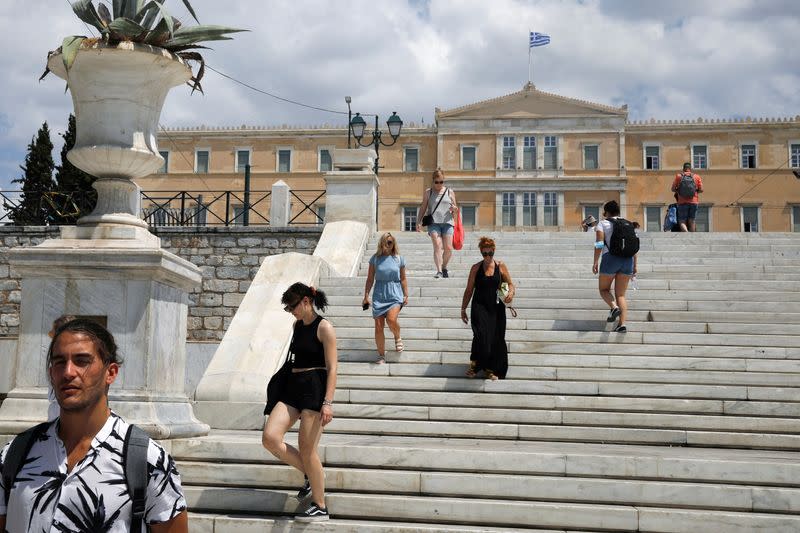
436 172
486 242
382 241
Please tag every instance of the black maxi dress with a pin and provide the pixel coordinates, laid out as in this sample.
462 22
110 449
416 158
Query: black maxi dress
489 349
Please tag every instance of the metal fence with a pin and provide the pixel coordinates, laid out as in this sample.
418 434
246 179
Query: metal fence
168 208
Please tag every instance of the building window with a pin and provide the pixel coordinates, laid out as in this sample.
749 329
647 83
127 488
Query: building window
794 155
165 167
550 209
325 160
702 221
529 209
591 210
750 219
550 152
468 154
201 162
411 159
528 153
748 156
242 160
284 160
410 219
469 215
652 218
590 155
652 157
509 153
320 217
509 209
796 218
699 156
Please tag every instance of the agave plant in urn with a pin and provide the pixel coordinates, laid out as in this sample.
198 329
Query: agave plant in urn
118 83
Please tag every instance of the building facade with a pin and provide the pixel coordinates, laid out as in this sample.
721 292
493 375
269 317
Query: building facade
528 161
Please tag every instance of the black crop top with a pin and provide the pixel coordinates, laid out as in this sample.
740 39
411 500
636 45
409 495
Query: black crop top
306 346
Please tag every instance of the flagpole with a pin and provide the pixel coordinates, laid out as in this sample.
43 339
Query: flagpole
529 57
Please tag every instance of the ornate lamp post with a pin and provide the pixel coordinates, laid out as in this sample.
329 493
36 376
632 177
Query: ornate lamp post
358 125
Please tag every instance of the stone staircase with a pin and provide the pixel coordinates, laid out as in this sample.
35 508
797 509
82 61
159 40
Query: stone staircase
690 422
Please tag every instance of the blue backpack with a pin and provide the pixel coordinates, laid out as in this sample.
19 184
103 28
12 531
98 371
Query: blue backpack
671 218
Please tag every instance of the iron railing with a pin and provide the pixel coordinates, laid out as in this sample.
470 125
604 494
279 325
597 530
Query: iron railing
171 208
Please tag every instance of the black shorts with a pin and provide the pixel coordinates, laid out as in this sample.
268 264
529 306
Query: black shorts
306 390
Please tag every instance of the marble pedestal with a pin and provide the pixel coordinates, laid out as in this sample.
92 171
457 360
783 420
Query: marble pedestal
122 274
351 190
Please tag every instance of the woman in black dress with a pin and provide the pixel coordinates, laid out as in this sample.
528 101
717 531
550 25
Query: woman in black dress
489 351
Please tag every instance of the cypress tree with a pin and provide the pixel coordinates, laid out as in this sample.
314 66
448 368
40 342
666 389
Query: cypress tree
37 180
77 196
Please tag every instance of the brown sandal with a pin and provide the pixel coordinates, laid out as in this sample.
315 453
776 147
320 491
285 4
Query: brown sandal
471 371
491 376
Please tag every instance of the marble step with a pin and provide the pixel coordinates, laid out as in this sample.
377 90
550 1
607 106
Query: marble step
225 523
591 388
587 293
493 456
726 336
635 302
617 419
415 324
644 283
571 489
483 511
571 403
648 375
690 362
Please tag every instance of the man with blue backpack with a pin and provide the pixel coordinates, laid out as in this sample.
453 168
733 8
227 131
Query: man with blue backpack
686 187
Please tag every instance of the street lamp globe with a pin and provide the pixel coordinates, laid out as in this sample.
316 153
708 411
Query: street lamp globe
358 124
395 125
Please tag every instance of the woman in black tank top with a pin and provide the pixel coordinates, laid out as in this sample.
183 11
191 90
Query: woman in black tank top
308 396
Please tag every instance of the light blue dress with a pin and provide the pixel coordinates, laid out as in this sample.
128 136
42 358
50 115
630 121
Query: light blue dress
387 291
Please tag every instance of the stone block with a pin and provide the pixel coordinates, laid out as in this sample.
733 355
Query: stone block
225 273
15 297
8 320
217 285
231 260
210 299
271 243
223 311
248 242
214 260
199 311
212 322
232 299
194 322
207 272
250 260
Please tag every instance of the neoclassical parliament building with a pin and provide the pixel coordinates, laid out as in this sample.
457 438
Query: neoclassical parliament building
526 161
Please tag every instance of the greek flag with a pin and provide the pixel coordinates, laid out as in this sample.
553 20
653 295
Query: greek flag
539 39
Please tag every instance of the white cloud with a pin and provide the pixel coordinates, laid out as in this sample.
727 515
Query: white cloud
677 59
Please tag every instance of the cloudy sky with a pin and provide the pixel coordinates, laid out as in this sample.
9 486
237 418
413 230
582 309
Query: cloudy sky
669 60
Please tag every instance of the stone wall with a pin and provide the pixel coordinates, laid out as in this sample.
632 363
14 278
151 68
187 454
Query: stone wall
229 258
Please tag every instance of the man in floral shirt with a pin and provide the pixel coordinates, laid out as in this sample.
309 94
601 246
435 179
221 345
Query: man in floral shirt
73 478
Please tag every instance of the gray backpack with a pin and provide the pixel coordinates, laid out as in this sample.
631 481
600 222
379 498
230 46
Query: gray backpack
687 188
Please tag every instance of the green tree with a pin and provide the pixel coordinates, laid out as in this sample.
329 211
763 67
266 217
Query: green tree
77 197
37 181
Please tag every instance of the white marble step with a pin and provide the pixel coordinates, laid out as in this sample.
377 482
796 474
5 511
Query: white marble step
224 523
502 486
476 511
648 375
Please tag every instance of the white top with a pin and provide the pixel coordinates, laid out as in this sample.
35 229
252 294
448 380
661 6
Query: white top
442 214
47 499
607 228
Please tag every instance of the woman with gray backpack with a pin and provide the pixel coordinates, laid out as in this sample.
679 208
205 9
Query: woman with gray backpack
617 243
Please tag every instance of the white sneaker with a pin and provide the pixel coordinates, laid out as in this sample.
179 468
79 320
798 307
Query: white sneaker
438 275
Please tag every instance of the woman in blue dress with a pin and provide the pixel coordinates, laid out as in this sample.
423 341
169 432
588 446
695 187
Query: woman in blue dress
387 270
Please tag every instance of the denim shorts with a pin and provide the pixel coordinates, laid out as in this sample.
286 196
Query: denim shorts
687 212
441 229
610 265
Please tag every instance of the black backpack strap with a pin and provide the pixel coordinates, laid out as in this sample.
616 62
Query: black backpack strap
134 460
17 453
